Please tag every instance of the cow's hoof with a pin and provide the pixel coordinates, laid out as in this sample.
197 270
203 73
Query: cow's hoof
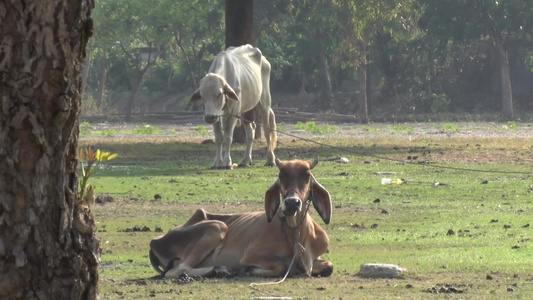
326 272
242 165
270 165
247 271
223 271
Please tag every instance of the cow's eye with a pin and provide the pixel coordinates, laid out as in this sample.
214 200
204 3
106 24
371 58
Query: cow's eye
306 174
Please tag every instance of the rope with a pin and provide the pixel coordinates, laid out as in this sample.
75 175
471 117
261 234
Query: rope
297 248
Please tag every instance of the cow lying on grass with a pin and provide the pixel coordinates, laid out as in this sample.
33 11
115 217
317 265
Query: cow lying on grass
257 244
237 82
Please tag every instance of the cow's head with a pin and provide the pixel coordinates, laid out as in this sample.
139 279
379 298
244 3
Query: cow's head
214 91
294 186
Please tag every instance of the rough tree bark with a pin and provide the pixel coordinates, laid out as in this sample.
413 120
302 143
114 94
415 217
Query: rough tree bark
48 248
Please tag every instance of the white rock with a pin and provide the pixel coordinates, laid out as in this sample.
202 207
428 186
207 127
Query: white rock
374 270
343 160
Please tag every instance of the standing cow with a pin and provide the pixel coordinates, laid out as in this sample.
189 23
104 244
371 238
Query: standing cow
237 82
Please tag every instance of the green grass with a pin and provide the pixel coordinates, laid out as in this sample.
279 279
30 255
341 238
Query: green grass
448 127
317 129
489 220
146 129
403 129
200 129
142 129
366 128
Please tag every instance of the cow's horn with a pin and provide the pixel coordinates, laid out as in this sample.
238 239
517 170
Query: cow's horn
278 162
314 163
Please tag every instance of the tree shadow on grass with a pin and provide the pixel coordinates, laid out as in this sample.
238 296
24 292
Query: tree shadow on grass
190 158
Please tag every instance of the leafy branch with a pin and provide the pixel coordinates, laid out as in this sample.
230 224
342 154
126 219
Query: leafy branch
89 162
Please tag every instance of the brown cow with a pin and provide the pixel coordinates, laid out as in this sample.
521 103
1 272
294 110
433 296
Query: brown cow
256 244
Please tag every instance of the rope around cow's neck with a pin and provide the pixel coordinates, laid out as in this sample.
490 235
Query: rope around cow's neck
297 248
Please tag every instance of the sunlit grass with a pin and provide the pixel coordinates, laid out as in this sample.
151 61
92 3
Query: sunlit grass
477 224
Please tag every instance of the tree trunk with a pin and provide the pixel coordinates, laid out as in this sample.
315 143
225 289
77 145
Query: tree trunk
324 72
86 71
130 106
302 93
239 23
48 248
177 38
368 87
240 31
505 77
363 104
102 81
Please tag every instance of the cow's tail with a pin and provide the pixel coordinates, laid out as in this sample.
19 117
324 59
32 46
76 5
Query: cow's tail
155 262
273 130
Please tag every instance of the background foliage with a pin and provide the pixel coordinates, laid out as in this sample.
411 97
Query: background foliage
418 55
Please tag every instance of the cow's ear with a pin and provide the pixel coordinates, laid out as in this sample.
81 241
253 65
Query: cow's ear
272 201
196 96
230 93
321 200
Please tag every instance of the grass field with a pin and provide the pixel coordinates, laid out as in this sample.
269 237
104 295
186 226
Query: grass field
467 238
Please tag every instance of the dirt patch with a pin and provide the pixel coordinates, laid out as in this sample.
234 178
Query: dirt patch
408 142
447 288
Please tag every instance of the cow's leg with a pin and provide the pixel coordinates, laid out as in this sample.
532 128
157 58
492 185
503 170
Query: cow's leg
227 139
249 130
269 128
269 120
217 128
322 268
263 265
196 242
168 249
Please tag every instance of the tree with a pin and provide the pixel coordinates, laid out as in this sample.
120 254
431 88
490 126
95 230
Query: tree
194 43
314 35
501 21
240 31
366 23
239 23
48 247
193 40
135 35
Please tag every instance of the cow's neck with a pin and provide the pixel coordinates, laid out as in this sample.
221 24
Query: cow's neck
296 230
295 226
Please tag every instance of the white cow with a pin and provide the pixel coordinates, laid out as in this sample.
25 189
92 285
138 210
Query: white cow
238 80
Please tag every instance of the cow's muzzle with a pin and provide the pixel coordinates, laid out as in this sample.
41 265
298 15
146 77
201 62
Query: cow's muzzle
291 206
210 119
